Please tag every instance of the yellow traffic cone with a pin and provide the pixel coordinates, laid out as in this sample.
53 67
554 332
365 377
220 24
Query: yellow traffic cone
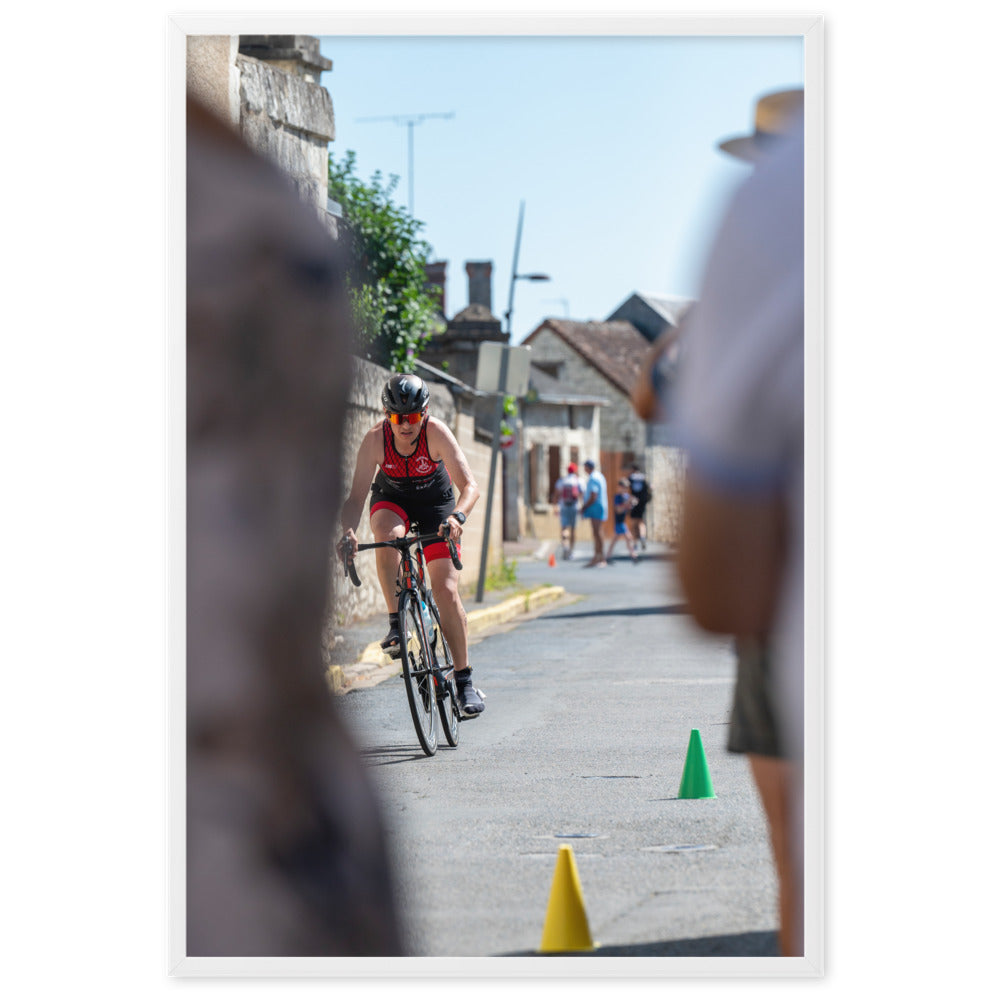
566 927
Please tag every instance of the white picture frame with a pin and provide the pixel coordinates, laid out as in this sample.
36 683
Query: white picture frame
811 30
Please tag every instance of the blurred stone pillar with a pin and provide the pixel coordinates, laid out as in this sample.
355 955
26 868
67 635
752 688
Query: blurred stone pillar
212 77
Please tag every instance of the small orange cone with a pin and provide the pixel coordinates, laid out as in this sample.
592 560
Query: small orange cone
566 927
552 559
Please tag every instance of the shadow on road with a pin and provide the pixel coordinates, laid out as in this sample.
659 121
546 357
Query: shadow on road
661 609
754 943
392 755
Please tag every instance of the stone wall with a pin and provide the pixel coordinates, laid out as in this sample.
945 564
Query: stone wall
348 603
274 99
211 74
665 467
289 120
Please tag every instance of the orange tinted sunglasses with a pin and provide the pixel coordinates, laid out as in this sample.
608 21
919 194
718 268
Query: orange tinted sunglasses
406 418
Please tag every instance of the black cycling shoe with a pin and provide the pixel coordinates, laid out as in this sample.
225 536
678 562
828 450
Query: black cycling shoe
470 699
391 643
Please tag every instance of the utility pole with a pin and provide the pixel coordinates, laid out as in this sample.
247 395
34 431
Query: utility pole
409 121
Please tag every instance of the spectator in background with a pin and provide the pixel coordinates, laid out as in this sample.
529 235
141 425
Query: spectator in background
740 415
623 502
639 487
566 494
594 507
286 851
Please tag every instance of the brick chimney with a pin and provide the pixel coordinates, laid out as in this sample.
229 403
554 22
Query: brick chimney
480 274
435 272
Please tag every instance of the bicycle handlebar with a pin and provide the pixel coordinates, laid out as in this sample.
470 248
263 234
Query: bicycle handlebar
402 544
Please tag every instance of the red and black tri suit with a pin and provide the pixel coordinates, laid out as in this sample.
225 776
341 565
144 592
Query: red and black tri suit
415 487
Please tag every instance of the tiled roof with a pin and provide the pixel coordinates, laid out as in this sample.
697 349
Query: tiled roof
616 348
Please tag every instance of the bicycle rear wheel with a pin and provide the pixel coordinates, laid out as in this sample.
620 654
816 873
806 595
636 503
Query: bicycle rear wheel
417 674
447 696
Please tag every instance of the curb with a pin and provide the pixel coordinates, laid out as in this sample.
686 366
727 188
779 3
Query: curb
375 664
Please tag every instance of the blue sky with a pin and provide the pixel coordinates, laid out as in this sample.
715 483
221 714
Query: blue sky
609 141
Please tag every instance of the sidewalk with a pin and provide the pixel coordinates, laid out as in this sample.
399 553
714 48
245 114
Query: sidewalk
361 661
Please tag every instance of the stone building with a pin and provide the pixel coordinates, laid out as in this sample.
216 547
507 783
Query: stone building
600 359
559 424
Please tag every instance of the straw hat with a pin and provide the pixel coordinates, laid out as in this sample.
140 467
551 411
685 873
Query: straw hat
772 118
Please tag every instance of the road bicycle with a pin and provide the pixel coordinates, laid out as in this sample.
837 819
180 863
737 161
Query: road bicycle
428 667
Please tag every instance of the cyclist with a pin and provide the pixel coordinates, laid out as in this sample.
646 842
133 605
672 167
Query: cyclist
414 459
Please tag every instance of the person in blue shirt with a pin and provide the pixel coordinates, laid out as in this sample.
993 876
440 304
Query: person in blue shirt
594 507
624 503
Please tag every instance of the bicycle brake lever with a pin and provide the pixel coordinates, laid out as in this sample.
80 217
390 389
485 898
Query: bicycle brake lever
349 569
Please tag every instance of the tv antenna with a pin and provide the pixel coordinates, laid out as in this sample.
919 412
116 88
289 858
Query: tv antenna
409 121
565 304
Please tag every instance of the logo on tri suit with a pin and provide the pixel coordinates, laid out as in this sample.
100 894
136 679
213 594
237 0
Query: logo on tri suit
423 466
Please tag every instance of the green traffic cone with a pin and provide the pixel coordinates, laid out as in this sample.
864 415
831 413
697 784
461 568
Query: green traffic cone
696 782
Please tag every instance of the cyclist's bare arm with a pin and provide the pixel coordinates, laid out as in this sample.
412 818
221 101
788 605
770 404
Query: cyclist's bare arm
369 458
442 445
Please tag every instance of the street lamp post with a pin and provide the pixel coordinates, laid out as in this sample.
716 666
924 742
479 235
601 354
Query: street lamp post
501 393
514 276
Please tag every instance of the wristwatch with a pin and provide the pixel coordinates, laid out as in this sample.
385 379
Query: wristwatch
458 515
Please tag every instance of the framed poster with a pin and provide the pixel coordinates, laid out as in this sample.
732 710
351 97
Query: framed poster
614 133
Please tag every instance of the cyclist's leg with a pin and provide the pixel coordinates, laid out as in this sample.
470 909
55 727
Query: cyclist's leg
444 584
388 521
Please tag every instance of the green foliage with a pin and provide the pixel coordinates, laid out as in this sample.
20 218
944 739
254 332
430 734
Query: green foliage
509 415
393 308
502 575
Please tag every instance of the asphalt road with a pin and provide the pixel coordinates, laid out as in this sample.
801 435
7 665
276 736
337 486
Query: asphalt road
590 706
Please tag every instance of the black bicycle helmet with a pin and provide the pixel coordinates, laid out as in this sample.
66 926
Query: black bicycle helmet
405 394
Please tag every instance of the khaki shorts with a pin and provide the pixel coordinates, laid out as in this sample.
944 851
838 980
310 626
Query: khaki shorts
752 725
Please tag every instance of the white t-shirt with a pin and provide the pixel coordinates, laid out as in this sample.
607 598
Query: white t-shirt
564 489
741 386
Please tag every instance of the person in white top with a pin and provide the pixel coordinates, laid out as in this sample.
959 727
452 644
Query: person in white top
740 410
567 495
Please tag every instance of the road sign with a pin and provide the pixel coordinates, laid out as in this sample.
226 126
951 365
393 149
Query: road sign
488 368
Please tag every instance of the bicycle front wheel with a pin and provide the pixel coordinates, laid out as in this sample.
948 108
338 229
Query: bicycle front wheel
418 661
446 696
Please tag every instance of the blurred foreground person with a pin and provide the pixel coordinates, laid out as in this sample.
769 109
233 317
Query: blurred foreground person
286 854
740 415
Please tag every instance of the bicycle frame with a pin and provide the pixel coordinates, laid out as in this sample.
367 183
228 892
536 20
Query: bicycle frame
420 661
